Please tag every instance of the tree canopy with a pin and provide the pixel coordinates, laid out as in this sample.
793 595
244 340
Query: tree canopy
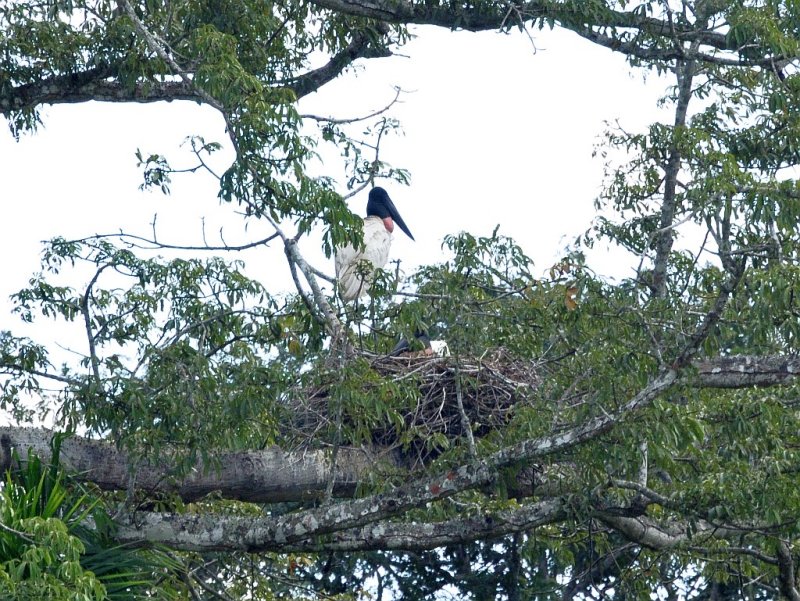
220 439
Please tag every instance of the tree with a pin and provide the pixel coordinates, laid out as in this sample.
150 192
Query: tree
586 436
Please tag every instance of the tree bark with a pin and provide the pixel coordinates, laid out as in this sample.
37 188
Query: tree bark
746 371
684 72
100 83
274 475
293 534
268 476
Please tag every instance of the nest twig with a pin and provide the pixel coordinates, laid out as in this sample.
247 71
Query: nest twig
492 388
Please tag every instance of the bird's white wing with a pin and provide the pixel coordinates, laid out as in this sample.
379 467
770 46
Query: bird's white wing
350 284
377 242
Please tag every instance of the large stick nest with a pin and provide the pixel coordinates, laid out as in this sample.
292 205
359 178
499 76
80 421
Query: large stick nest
491 388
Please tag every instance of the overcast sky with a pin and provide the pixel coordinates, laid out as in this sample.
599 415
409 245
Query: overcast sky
497 131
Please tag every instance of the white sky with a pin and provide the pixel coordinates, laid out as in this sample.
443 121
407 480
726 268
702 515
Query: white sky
496 131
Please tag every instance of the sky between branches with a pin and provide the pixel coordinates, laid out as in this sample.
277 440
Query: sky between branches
497 130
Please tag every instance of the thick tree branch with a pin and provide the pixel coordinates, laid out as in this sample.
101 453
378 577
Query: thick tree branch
268 476
286 534
100 83
494 15
362 46
284 475
592 428
263 476
299 531
295 528
787 579
649 533
746 372
684 72
591 25
91 85
273 475
653 52
600 27
159 47
403 12
357 513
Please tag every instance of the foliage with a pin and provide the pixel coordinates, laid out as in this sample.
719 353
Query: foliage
198 327
55 542
644 462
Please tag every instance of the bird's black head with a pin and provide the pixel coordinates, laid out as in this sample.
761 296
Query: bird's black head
380 205
403 346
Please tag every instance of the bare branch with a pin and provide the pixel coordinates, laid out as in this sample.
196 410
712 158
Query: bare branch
329 316
11 368
362 46
154 243
335 121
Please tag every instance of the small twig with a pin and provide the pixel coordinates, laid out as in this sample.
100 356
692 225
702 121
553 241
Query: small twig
10 368
426 364
122 236
335 121
22 535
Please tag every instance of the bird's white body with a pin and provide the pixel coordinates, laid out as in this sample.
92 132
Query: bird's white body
353 282
440 348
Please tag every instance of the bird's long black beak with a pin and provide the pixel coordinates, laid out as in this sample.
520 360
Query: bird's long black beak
396 217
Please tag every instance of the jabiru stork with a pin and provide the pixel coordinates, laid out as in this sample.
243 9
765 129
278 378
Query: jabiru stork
378 227
430 348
